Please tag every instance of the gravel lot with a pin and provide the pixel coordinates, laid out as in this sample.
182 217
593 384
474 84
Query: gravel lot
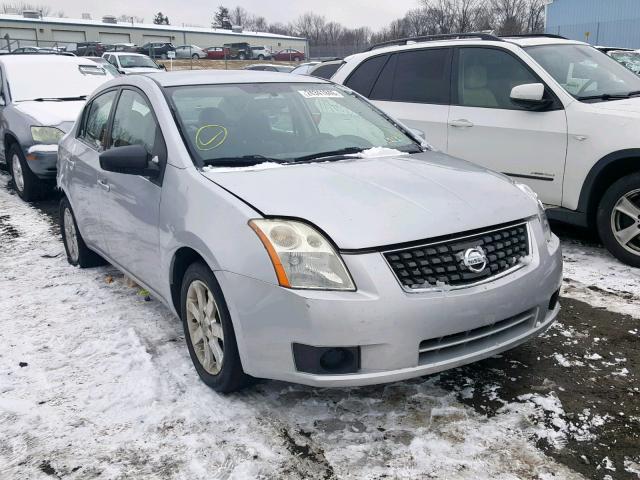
96 382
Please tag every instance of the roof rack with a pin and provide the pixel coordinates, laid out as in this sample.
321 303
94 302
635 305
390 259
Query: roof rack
536 35
435 38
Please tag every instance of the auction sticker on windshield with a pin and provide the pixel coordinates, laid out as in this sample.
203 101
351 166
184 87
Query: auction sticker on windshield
320 94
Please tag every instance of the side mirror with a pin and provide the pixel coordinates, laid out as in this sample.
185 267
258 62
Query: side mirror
530 96
129 160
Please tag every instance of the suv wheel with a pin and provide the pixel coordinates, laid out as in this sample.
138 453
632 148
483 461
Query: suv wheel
209 331
163 56
618 219
78 254
260 57
242 56
28 186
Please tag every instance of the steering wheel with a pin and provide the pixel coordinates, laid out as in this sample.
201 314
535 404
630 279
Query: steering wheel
584 87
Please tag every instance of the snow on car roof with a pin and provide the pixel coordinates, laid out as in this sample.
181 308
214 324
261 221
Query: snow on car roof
199 77
41 59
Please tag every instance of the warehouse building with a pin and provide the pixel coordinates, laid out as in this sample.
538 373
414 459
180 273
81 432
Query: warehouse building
29 29
613 23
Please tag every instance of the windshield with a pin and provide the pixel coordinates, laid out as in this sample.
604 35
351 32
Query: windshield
135 61
631 60
62 80
286 122
585 72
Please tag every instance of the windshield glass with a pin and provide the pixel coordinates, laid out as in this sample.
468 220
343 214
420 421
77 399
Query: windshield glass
63 79
631 60
135 61
226 124
585 72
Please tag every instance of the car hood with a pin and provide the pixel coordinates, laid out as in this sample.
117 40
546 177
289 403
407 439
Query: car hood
55 114
627 106
373 202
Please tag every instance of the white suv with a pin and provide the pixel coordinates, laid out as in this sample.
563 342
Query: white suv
553 113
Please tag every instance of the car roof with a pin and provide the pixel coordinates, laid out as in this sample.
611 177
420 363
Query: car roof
219 77
540 40
41 59
127 54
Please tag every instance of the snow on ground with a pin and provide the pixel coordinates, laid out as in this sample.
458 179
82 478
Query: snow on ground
594 276
97 382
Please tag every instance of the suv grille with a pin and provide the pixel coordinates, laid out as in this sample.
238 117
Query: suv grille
442 262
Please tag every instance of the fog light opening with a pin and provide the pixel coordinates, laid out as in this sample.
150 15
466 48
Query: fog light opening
553 301
336 359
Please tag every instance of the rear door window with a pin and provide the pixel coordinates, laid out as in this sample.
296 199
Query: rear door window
420 76
365 75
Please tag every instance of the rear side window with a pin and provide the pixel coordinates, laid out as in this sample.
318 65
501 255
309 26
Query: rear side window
326 71
94 130
422 76
364 76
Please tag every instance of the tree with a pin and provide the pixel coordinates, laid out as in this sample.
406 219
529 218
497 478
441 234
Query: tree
161 19
239 16
221 18
130 19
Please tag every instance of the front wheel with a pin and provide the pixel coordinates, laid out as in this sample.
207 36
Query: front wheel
260 57
195 56
78 254
164 56
618 219
209 332
28 186
242 56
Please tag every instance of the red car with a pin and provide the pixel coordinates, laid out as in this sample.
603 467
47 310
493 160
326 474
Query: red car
217 53
289 55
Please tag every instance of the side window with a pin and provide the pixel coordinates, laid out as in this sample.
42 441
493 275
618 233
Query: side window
94 130
134 123
361 80
423 76
486 77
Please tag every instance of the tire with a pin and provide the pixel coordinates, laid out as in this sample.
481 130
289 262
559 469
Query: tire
163 56
618 219
222 371
26 183
260 57
78 254
195 56
242 56
296 59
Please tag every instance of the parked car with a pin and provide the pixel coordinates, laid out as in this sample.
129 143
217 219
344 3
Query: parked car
190 51
157 49
268 67
217 53
304 68
37 110
326 69
90 49
132 63
328 247
239 51
553 113
289 55
106 65
123 47
33 50
630 59
260 53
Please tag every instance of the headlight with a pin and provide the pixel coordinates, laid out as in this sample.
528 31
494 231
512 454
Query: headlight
301 256
542 215
47 135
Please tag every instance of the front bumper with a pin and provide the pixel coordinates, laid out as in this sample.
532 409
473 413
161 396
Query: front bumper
42 162
386 323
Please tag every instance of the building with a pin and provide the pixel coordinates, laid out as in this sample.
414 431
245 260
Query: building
613 23
30 29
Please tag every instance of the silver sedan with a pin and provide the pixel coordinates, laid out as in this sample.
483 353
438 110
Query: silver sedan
299 233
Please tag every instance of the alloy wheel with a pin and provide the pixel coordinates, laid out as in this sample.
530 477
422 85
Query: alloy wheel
625 221
18 175
70 235
205 327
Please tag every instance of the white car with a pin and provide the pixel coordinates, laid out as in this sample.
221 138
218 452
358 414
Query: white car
553 113
190 51
260 53
129 63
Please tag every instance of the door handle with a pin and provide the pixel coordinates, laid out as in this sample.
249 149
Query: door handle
461 123
104 185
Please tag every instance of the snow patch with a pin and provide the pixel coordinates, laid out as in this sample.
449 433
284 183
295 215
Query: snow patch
378 152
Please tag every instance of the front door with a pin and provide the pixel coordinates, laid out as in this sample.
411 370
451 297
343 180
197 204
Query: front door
487 128
132 202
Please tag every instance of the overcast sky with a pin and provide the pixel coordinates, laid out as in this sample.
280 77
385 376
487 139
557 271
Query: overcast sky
351 13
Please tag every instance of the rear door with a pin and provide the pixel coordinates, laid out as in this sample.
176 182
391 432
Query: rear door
132 202
487 128
82 183
412 86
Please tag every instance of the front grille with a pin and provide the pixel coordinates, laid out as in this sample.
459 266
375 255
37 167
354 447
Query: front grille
462 343
441 263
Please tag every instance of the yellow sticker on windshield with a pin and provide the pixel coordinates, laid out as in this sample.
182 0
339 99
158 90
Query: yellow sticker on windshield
209 137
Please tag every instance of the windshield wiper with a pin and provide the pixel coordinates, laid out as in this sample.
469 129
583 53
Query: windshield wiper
610 96
241 161
332 155
60 99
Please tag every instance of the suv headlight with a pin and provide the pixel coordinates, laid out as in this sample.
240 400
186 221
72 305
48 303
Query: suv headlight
47 135
542 214
302 257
